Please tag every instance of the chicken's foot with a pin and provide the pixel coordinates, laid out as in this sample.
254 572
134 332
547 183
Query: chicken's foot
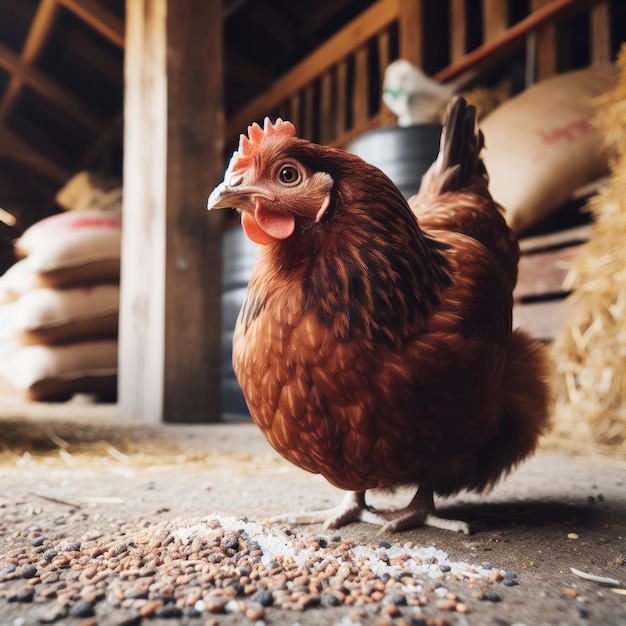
420 512
351 509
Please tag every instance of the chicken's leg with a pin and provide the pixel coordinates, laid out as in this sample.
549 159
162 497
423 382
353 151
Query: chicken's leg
420 512
351 509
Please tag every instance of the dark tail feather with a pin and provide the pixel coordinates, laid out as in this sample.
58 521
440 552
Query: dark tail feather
459 168
459 153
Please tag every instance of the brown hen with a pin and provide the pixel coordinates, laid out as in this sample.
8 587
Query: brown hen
375 348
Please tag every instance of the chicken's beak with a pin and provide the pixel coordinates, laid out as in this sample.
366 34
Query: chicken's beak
232 194
222 197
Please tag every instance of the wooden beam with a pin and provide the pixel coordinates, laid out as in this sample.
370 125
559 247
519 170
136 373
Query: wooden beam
22 73
357 33
495 18
545 272
195 145
35 40
384 53
383 58
491 52
562 238
601 33
99 18
142 304
326 115
56 94
360 87
39 31
342 97
411 26
170 310
544 320
458 33
546 45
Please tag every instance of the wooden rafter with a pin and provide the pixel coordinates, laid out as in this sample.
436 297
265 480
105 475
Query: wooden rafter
357 33
50 90
99 18
39 30
37 36
23 73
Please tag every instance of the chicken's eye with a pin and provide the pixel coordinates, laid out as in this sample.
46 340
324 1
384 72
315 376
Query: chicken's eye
289 175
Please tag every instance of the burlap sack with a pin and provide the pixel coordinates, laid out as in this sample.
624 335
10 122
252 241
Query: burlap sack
542 145
78 248
44 373
52 316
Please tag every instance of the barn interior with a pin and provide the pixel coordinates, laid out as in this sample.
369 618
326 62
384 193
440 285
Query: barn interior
117 119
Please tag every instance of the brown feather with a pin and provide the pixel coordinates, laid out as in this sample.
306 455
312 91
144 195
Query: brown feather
376 348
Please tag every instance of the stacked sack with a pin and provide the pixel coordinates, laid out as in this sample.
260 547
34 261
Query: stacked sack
542 145
59 308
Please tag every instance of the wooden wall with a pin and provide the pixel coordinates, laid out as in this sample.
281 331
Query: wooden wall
334 94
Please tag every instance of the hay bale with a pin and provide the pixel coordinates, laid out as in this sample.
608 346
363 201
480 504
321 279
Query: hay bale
590 353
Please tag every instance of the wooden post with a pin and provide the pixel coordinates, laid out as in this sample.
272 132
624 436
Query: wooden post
170 322
360 87
495 18
327 117
458 36
600 33
342 97
546 45
411 31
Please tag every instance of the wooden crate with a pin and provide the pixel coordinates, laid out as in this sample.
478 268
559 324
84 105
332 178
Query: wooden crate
541 304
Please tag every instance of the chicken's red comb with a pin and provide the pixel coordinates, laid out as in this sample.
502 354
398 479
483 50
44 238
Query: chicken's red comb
249 146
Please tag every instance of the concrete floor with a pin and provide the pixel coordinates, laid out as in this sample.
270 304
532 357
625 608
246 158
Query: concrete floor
77 462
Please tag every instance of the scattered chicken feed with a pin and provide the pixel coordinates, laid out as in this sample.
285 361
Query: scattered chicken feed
222 565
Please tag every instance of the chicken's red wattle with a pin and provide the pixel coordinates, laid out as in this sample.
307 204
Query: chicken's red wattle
267 224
